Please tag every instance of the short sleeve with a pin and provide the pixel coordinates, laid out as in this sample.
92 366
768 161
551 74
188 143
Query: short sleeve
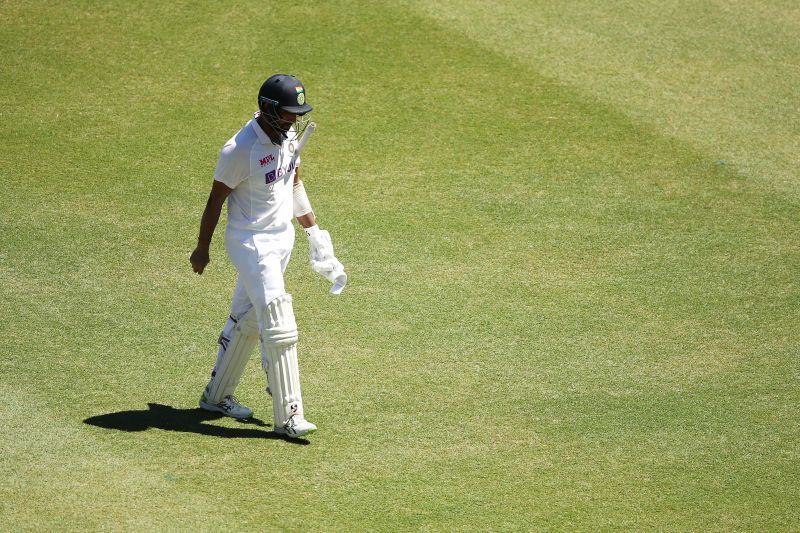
233 166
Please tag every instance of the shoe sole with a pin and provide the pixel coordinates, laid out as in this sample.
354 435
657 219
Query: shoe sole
284 433
217 409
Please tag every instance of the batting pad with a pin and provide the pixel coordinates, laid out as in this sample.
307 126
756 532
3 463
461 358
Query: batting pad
279 359
236 343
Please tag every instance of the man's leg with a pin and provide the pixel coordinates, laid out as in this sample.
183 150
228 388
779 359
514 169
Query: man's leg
236 343
261 266
279 360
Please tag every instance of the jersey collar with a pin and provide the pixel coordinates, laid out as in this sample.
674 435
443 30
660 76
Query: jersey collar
260 133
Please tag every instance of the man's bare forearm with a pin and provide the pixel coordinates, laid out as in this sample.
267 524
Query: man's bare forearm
208 222
307 220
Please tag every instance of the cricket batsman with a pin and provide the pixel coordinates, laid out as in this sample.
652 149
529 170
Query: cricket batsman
258 174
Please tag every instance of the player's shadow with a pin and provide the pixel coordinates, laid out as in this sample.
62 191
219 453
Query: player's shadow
184 420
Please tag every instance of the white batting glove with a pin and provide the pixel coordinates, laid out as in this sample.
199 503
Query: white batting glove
320 251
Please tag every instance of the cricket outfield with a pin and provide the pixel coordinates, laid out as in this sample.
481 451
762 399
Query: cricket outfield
573 239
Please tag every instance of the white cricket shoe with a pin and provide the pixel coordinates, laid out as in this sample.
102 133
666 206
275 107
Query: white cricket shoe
297 426
229 406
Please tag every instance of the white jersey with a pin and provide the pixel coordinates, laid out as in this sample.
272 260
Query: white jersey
261 175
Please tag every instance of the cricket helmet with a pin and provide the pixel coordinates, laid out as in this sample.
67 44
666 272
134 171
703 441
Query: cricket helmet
284 92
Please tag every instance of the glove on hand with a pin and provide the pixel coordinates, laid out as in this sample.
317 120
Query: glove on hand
320 251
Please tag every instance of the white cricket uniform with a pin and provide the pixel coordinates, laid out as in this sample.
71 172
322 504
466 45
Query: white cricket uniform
259 236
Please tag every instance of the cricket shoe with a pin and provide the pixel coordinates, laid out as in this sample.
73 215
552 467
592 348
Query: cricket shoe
229 406
297 426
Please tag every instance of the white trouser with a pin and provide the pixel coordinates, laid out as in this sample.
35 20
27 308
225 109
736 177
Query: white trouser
260 261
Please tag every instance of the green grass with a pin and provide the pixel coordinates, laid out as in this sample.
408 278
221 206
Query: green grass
572 235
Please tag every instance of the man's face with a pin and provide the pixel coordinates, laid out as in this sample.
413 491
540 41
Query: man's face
285 120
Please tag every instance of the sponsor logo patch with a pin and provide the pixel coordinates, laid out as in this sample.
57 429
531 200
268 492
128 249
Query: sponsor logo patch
273 175
266 160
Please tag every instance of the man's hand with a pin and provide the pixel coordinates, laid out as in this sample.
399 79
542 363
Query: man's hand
199 259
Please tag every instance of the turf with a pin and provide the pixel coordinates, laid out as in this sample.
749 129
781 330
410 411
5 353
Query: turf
571 232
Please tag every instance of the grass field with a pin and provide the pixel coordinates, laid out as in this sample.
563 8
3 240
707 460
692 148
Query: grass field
573 238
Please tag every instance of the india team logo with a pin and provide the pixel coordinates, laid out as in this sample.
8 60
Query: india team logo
301 97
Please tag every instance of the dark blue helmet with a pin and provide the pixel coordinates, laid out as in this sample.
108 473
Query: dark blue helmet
285 92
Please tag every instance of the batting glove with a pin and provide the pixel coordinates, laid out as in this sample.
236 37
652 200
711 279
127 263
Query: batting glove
320 251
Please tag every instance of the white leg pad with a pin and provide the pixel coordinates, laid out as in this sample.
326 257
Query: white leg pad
279 359
236 343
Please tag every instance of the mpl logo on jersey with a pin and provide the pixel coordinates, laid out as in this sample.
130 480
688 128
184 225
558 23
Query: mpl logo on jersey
266 160
273 175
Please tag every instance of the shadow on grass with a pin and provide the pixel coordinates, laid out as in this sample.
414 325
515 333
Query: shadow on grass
186 421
